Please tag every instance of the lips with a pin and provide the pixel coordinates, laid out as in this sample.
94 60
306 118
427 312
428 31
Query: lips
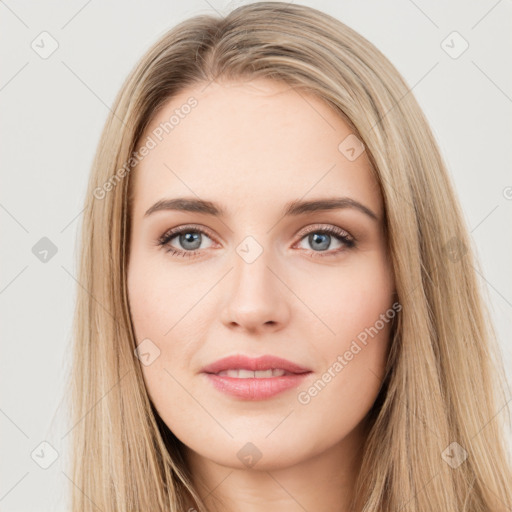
249 374
259 364
254 378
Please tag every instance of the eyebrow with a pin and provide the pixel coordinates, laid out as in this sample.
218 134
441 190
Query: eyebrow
293 208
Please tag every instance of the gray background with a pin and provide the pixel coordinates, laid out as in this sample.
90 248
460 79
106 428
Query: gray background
52 113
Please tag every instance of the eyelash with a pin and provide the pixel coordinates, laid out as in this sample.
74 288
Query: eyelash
338 233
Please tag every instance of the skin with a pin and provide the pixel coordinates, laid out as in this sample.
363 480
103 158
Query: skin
251 147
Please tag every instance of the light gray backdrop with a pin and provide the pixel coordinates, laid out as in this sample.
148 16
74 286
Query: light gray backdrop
63 63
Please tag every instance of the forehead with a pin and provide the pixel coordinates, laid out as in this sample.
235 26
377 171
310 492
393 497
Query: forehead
249 143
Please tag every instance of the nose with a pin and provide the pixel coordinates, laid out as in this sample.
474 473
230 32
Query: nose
256 298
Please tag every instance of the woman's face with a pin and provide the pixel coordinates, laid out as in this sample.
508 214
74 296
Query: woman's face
261 268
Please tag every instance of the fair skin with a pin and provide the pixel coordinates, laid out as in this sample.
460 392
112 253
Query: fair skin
251 147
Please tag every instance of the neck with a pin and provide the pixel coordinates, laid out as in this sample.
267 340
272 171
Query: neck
324 481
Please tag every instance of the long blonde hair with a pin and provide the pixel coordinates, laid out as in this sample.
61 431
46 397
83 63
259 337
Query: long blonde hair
444 382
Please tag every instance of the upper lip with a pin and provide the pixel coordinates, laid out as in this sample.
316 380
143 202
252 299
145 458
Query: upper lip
265 362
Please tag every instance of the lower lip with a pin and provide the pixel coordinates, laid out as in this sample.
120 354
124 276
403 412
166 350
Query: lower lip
255 389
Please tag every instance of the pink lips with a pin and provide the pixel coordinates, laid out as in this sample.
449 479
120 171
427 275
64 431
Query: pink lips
257 388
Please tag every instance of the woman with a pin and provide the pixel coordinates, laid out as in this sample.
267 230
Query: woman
279 306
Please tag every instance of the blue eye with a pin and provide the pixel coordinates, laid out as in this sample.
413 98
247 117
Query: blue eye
190 239
321 238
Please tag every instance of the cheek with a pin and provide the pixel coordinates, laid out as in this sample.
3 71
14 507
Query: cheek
167 324
349 299
339 395
338 398
159 299
352 342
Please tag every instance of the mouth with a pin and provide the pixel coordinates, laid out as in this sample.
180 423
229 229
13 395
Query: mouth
254 378
249 374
